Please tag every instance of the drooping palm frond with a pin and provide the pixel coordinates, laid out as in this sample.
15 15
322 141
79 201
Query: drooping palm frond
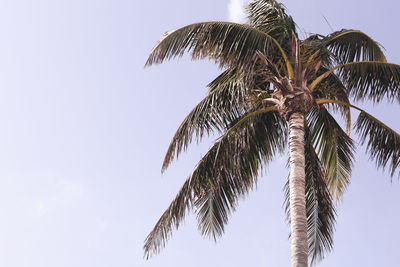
368 80
334 148
232 167
227 172
319 205
216 111
226 42
213 212
170 219
320 209
352 45
383 143
372 80
270 17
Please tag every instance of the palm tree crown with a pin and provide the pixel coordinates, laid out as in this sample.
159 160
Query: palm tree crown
277 92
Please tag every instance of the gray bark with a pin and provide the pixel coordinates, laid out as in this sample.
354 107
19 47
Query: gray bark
298 219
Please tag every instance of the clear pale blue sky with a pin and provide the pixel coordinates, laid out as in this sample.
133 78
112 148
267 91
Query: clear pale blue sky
84 129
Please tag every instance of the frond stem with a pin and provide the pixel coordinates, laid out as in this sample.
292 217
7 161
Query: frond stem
324 101
323 76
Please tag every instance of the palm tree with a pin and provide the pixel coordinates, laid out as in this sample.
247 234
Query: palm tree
277 92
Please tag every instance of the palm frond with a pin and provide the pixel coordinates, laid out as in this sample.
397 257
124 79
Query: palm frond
372 80
232 166
171 218
226 42
319 205
213 212
368 80
227 172
334 148
270 17
352 45
383 143
216 111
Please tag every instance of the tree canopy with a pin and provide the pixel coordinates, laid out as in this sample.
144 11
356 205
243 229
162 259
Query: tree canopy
269 74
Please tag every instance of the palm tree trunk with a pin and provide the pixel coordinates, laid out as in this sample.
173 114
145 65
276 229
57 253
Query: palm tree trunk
297 199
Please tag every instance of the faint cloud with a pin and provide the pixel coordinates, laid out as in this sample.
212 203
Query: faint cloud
236 11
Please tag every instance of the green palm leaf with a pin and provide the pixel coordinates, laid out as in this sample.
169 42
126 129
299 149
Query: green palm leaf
368 80
319 205
171 218
270 17
213 211
227 171
334 148
383 143
372 80
351 45
232 166
225 42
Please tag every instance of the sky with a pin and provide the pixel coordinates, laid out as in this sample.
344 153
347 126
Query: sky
84 128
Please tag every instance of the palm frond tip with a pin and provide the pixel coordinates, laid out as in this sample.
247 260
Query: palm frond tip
383 143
